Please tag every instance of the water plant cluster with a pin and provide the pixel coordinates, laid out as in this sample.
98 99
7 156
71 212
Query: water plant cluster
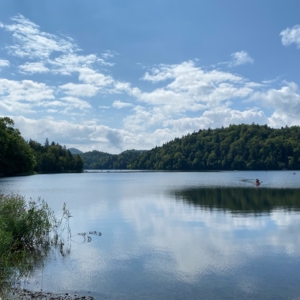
28 230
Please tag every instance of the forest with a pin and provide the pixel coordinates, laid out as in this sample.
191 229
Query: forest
101 160
237 147
18 157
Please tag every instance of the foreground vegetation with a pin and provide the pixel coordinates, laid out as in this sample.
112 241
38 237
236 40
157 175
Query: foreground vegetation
27 232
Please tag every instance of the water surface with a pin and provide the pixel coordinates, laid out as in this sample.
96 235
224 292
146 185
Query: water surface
173 235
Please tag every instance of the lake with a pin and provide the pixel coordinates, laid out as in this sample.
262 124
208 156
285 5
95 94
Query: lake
173 235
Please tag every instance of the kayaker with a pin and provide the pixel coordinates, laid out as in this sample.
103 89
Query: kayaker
257 182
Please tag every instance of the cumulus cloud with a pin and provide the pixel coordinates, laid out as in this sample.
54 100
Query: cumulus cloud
85 90
221 116
190 84
179 98
285 102
73 102
240 58
13 93
119 104
291 36
91 76
31 68
188 89
4 63
89 135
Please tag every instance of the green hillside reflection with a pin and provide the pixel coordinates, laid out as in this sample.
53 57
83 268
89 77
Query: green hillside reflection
242 200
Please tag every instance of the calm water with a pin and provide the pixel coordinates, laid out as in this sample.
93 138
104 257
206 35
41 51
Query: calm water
174 235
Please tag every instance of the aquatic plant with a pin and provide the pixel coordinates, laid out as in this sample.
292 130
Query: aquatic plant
28 230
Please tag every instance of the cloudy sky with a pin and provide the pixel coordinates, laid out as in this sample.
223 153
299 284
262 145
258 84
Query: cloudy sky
112 75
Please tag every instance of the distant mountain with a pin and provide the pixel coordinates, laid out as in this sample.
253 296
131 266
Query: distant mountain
101 160
75 151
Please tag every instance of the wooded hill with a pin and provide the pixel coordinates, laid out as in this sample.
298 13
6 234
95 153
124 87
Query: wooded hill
15 154
54 158
101 160
237 147
19 157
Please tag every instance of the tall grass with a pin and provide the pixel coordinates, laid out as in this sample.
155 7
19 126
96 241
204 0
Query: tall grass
28 230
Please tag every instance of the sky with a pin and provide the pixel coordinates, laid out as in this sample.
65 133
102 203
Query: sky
114 75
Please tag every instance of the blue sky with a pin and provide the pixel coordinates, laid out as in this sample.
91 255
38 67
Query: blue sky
113 75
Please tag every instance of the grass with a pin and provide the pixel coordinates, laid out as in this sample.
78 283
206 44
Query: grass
28 230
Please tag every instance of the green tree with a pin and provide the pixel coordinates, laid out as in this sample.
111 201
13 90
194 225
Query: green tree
16 157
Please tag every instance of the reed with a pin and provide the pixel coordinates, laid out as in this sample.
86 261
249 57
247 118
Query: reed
28 230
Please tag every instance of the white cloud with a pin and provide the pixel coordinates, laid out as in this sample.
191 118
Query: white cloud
12 91
76 103
221 116
79 90
32 43
88 135
71 63
4 63
179 98
189 89
240 58
190 84
35 67
91 76
119 104
291 36
285 102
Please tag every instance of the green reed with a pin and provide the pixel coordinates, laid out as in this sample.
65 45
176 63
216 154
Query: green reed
28 230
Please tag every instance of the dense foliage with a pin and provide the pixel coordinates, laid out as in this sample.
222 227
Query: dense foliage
55 158
16 157
237 147
28 229
100 160
19 157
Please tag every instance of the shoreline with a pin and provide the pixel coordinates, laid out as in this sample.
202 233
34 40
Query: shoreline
26 294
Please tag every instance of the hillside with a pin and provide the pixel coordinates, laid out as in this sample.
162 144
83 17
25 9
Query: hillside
75 151
101 160
237 147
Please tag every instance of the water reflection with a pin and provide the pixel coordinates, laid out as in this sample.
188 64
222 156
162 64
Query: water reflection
165 238
242 200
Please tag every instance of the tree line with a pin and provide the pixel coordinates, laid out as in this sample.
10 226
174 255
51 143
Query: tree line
237 147
97 160
20 157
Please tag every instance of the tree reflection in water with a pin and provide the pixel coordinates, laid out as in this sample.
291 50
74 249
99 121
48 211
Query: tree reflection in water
242 200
